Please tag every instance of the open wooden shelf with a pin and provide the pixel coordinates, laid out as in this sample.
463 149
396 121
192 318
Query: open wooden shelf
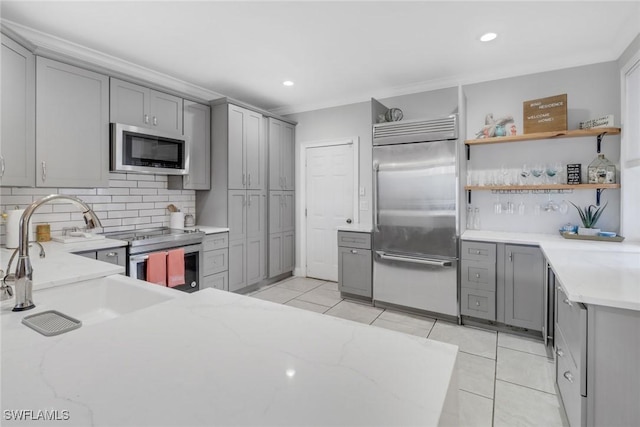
545 135
543 187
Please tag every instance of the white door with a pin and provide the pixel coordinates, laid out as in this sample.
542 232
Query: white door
329 204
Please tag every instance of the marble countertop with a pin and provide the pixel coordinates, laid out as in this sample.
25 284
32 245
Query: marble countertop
590 272
214 357
208 230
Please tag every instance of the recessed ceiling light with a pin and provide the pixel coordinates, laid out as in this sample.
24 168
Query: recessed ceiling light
287 83
488 37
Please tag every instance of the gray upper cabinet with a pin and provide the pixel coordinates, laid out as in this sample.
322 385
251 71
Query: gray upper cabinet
140 106
524 287
281 155
72 128
18 148
246 149
197 131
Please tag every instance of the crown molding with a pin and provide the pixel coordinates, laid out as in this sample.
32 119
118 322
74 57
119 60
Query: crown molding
53 47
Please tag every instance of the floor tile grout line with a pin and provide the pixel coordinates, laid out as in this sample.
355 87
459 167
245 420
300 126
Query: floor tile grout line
527 387
475 394
524 351
478 355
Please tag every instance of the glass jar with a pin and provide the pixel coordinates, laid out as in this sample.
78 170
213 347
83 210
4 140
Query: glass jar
601 171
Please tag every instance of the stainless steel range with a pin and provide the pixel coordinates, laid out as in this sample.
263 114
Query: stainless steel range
146 241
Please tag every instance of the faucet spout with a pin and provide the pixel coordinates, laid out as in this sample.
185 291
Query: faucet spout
24 271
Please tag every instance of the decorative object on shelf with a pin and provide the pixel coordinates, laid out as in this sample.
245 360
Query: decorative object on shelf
493 128
574 173
545 114
392 115
569 228
589 216
601 171
43 232
600 122
599 238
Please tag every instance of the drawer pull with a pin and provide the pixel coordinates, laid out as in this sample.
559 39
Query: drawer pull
566 301
569 376
559 352
353 251
111 254
477 252
477 275
477 303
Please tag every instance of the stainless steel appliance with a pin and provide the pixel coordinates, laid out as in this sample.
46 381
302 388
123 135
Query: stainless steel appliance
415 236
136 149
143 242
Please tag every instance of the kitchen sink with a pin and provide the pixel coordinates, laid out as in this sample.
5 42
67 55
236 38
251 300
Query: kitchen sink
97 300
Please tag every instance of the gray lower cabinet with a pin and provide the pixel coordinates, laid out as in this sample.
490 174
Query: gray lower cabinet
72 110
281 253
117 256
524 272
18 132
216 261
355 263
478 280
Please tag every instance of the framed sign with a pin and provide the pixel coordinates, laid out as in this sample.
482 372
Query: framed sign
545 114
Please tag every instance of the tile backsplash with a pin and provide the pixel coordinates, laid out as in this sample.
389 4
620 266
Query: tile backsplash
132 201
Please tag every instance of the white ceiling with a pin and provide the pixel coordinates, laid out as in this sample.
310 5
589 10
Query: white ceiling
337 52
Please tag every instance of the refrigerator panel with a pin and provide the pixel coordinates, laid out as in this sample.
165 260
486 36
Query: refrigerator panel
415 198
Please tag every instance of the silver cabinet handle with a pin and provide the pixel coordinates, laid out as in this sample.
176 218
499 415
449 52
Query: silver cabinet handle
414 260
510 257
249 180
569 376
566 301
477 303
244 180
1 166
111 254
44 171
559 352
146 118
353 251
155 121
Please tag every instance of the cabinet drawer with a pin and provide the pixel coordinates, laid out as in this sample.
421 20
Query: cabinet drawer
216 241
216 261
115 256
217 281
479 251
568 381
478 303
355 275
352 239
571 320
478 275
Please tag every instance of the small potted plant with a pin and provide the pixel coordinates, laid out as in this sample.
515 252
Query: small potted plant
589 216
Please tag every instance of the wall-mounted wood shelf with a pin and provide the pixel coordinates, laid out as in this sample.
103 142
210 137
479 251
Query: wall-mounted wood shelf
543 187
545 135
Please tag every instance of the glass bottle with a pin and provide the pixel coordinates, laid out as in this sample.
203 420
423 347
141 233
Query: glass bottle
601 171
469 218
476 219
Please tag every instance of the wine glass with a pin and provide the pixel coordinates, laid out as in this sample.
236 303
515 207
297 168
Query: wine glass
559 167
524 174
551 172
537 170
497 206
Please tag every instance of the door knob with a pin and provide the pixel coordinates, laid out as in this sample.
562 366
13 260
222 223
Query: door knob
348 220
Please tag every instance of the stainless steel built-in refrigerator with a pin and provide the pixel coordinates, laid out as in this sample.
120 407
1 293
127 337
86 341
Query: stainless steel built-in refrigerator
415 236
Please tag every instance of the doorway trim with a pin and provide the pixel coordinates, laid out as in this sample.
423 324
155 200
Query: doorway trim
301 202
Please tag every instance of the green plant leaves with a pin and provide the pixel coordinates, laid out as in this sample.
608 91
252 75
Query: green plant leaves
589 215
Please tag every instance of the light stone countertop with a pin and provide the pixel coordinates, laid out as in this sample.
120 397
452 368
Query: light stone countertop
218 358
358 228
208 230
591 272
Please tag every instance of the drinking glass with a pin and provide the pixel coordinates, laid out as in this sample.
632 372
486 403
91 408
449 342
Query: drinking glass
537 170
521 208
552 173
559 167
564 207
497 206
524 175
469 218
551 206
476 219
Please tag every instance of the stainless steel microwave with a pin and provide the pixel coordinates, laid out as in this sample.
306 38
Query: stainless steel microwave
137 149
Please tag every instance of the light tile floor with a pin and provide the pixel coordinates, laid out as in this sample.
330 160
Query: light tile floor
504 380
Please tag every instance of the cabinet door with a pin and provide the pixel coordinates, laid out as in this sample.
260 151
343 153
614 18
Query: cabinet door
287 211
217 281
237 214
287 148
275 254
72 130
237 173
18 148
166 112
256 214
275 154
197 132
237 265
524 287
288 251
355 271
256 259
275 207
117 256
254 150
129 104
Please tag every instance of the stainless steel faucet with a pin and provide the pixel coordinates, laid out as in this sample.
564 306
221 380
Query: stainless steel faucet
24 272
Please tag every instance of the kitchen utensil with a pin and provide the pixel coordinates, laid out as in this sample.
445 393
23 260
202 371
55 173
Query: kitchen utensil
189 220
176 220
173 208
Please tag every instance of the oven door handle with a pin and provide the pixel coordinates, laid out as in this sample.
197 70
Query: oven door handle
138 258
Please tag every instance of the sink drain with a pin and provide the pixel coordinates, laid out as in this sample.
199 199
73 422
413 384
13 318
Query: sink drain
51 322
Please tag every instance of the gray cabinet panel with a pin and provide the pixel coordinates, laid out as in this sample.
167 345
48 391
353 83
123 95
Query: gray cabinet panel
72 108
288 251
478 303
254 151
287 213
478 275
129 103
256 260
275 154
88 254
237 214
216 261
275 207
478 251
215 241
18 148
354 240
236 130
256 213
524 287
287 152
355 271
237 265
117 256
217 281
197 132
166 112
275 254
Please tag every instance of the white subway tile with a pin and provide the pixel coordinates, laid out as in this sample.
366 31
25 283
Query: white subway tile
163 178
96 199
77 191
134 206
123 214
49 217
151 225
121 228
116 183
117 175
137 220
16 200
144 191
140 177
161 219
152 212
5 191
33 191
151 184
180 197
126 199
115 222
108 207
155 198
113 191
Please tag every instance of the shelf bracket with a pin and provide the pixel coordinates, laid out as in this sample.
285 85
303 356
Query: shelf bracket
468 150
600 136
598 194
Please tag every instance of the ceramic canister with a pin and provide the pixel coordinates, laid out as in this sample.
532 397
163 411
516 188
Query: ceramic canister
176 220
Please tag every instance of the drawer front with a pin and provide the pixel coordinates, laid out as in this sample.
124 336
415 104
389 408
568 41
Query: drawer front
478 251
568 381
216 261
216 241
478 303
352 239
478 275
571 319
217 281
117 256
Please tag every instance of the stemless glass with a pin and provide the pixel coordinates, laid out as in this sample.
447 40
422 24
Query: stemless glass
524 175
469 218
552 173
559 167
521 208
537 170
476 219
497 206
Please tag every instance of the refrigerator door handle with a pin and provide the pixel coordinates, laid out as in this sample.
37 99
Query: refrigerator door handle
375 197
413 260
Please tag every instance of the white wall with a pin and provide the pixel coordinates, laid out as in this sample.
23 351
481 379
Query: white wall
132 201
